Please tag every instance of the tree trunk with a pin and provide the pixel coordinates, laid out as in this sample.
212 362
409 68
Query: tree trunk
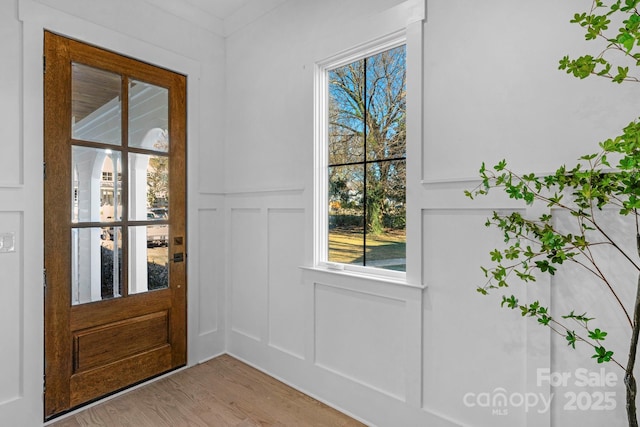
629 378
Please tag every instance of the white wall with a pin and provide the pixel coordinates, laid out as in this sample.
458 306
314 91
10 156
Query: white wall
397 355
20 305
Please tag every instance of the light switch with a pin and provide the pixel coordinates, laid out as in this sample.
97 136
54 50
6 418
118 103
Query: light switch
7 242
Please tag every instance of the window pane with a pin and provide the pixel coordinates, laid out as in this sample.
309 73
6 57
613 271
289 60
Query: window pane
386 104
367 132
96 264
95 190
148 187
386 215
346 214
346 85
95 105
148 116
148 258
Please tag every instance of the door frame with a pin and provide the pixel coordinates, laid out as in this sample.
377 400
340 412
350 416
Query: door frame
27 408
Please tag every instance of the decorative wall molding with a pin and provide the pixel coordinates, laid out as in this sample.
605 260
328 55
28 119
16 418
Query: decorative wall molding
249 192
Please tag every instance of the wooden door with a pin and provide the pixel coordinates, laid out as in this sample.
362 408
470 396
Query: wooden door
115 307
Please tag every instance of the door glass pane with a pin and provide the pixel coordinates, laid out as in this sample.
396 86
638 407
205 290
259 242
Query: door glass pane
96 185
95 105
96 264
148 116
148 258
148 187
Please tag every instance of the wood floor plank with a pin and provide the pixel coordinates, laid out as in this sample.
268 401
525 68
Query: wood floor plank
221 392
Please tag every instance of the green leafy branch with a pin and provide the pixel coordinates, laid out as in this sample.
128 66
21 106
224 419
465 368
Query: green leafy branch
536 246
591 189
594 337
625 41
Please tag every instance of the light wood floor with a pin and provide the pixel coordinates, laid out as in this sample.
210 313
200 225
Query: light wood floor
220 392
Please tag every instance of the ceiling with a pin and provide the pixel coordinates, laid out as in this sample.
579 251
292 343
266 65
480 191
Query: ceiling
222 17
219 8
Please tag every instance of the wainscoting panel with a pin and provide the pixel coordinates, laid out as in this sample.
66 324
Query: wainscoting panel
350 340
286 255
350 327
471 344
247 275
208 299
11 306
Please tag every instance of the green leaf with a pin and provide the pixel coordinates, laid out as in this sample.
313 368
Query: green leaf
544 320
597 334
579 317
525 277
512 253
578 17
511 302
571 338
501 165
496 255
622 74
627 40
564 63
529 252
602 355
545 266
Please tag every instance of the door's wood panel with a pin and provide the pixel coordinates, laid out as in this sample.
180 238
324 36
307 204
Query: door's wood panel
96 314
109 343
89 385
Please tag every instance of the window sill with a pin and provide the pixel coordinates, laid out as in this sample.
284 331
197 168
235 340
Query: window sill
325 270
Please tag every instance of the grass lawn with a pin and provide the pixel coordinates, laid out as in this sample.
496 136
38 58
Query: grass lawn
345 246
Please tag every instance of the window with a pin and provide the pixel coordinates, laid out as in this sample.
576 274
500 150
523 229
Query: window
361 156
